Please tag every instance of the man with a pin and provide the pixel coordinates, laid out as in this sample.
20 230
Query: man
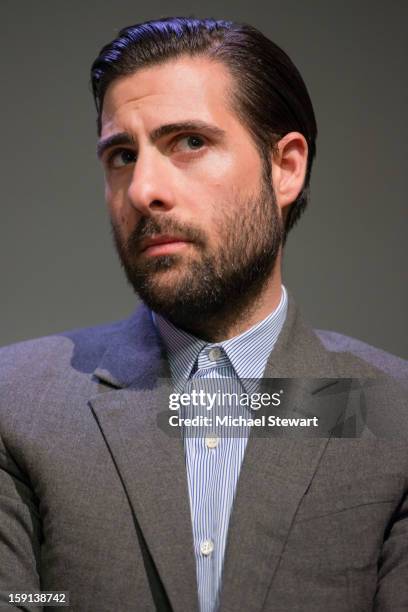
207 138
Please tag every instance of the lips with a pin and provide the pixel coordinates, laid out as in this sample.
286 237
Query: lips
162 244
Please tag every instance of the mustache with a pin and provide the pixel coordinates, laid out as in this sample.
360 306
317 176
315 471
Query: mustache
148 227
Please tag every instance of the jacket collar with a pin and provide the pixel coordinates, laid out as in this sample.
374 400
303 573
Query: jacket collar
135 357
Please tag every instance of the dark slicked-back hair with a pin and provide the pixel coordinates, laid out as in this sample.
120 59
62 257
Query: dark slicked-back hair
269 94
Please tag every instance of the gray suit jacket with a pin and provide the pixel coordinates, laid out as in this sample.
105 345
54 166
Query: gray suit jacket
94 500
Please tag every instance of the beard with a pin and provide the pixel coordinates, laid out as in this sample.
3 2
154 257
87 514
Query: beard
206 289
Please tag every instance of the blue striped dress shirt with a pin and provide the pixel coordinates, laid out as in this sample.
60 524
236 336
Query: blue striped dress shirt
213 462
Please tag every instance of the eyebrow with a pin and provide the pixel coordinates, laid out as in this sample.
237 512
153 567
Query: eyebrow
121 138
124 138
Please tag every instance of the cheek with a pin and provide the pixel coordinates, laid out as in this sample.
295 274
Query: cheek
120 213
240 166
108 194
122 219
117 187
112 198
227 177
114 193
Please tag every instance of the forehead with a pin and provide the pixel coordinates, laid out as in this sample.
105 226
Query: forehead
176 90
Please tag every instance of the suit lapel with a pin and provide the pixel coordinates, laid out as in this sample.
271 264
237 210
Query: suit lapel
277 471
150 463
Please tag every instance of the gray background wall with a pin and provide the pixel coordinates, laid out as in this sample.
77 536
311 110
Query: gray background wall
345 262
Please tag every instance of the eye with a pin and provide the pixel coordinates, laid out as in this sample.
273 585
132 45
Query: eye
190 143
121 158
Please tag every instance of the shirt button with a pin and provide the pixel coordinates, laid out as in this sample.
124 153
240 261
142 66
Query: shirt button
206 547
214 354
212 441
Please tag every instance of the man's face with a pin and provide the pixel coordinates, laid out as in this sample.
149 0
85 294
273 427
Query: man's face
193 215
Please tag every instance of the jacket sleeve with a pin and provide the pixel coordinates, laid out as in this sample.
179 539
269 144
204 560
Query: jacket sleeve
20 533
392 591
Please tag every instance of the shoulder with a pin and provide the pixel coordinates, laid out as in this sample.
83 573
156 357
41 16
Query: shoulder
380 394
379 361
48 381
42 357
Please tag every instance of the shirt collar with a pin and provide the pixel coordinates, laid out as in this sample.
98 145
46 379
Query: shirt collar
247 352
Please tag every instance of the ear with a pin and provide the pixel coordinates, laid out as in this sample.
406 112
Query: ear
289 162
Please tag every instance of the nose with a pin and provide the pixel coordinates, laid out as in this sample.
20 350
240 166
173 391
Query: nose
150 191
